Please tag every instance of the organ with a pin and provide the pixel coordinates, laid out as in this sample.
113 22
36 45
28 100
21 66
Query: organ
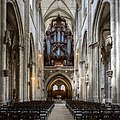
58 47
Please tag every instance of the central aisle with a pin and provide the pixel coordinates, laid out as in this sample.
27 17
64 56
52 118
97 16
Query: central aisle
60 112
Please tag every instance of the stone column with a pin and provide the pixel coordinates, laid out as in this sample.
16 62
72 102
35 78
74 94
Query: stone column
41 35
118 50
33 83
81 78
94 91
2 51
90 52
20 72
37 50
26 53
113 51
95 74
90 73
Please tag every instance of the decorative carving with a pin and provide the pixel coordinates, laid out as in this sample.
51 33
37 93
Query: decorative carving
7 39
6 73
86 78
108 41
103 52
86 66
109 73
106 49
63 70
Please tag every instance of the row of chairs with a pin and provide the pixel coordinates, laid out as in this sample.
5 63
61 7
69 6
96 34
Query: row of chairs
83 110
29 110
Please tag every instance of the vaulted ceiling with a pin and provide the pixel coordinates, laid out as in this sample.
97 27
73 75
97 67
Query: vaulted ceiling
65 8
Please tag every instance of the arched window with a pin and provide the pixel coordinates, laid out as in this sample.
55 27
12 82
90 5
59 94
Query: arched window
55 87
62 87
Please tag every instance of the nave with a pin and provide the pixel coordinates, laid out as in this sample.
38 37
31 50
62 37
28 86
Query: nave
60 112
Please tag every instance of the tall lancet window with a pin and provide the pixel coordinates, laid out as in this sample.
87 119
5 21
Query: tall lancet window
55 87
62 87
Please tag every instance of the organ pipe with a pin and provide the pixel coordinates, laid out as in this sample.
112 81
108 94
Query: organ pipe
58 36
58 41
48 46
69 47
62 37
54 36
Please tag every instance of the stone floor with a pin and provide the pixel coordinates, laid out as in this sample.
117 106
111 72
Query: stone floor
60 112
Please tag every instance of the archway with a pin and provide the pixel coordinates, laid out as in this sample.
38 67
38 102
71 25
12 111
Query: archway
105 52
58 87
14 48
102 36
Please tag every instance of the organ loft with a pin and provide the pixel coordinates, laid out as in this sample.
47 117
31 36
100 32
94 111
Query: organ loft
58 44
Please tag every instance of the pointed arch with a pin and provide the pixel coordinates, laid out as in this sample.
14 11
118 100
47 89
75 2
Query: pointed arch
67 8
14 52
53 3
59 77
49 7
101 29
58 9
18 19
57 74
97 16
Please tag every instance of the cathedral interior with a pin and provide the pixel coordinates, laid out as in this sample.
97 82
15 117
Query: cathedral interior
60 49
